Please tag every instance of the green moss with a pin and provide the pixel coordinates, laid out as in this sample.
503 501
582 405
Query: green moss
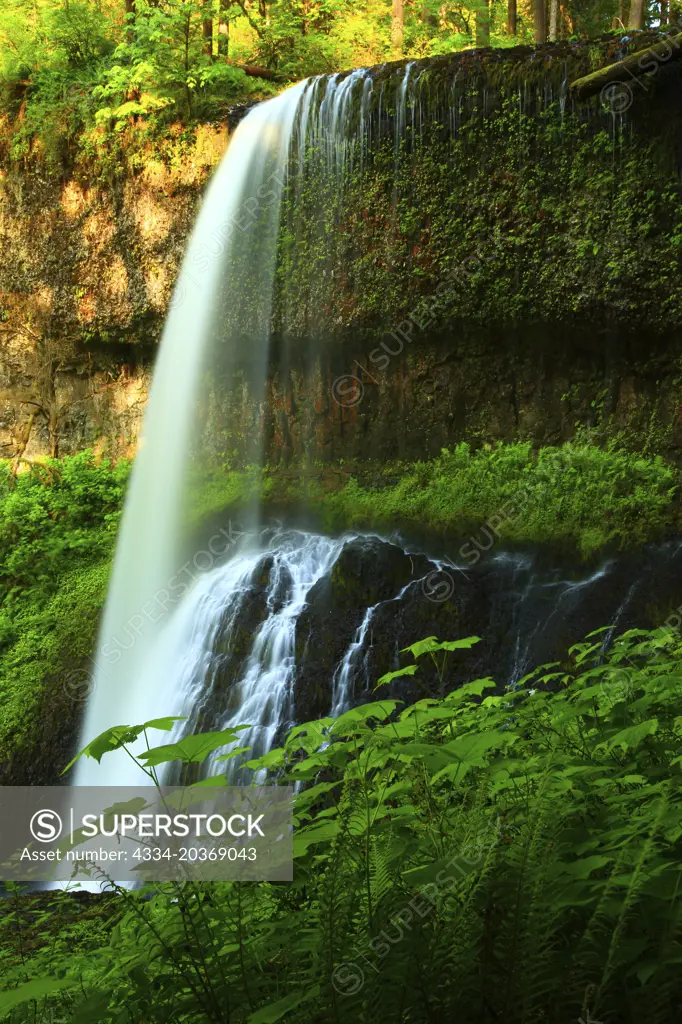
58 526
49 662
522 207
576 495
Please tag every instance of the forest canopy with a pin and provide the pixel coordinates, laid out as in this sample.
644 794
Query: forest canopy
69 67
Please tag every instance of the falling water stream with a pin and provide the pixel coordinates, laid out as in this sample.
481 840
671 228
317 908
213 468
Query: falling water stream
131 684
160 654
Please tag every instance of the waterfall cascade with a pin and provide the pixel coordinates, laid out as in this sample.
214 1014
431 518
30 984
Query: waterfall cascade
171 621
130 682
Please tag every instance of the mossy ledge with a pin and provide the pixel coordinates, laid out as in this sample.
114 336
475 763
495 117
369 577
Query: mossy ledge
578 498
58 526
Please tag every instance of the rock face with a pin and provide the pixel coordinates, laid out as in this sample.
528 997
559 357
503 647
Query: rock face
539 383
533 210
86 272
378 597
526 614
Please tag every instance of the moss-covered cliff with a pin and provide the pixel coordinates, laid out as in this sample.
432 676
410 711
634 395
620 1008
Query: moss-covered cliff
492 199
485 193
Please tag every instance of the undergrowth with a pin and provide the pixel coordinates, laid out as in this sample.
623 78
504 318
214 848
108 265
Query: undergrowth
476 858
581 496
58 526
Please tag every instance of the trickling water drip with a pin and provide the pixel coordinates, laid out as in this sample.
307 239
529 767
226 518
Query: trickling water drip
344 677
332 127
417 107
263 695
366 119
401 111
563 595
620 612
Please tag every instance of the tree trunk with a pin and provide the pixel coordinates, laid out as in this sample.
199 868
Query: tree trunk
540 21
511 18
619 20
187 28
22 437
665 6
636 14
208 30
483 25
397 27
254 71
130 10
554 20
223 29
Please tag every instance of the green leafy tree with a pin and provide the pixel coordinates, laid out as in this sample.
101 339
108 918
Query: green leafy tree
165 63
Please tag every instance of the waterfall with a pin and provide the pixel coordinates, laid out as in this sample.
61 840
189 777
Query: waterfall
174 608
261 691
240 209
342 683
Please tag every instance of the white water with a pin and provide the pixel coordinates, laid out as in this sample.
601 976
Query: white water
344 677
129 684
263 695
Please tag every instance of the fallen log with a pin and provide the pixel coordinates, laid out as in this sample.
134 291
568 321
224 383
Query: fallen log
637 64
257 72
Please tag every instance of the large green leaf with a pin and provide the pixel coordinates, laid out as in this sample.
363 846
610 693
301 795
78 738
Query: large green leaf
432 644
121 735
191 749
275 1011
473 747
316 833
350 720
630 738
408 670
33 990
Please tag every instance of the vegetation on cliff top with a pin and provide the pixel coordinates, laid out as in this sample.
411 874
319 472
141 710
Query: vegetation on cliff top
76 75
478 858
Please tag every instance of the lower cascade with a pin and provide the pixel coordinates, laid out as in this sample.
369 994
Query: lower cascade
255 639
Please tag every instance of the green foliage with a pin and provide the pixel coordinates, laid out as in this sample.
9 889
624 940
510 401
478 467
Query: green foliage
163 64
573 494
577 495
120 735
47 643
75 73
60 516
513 856
58 525
50 56
74 76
